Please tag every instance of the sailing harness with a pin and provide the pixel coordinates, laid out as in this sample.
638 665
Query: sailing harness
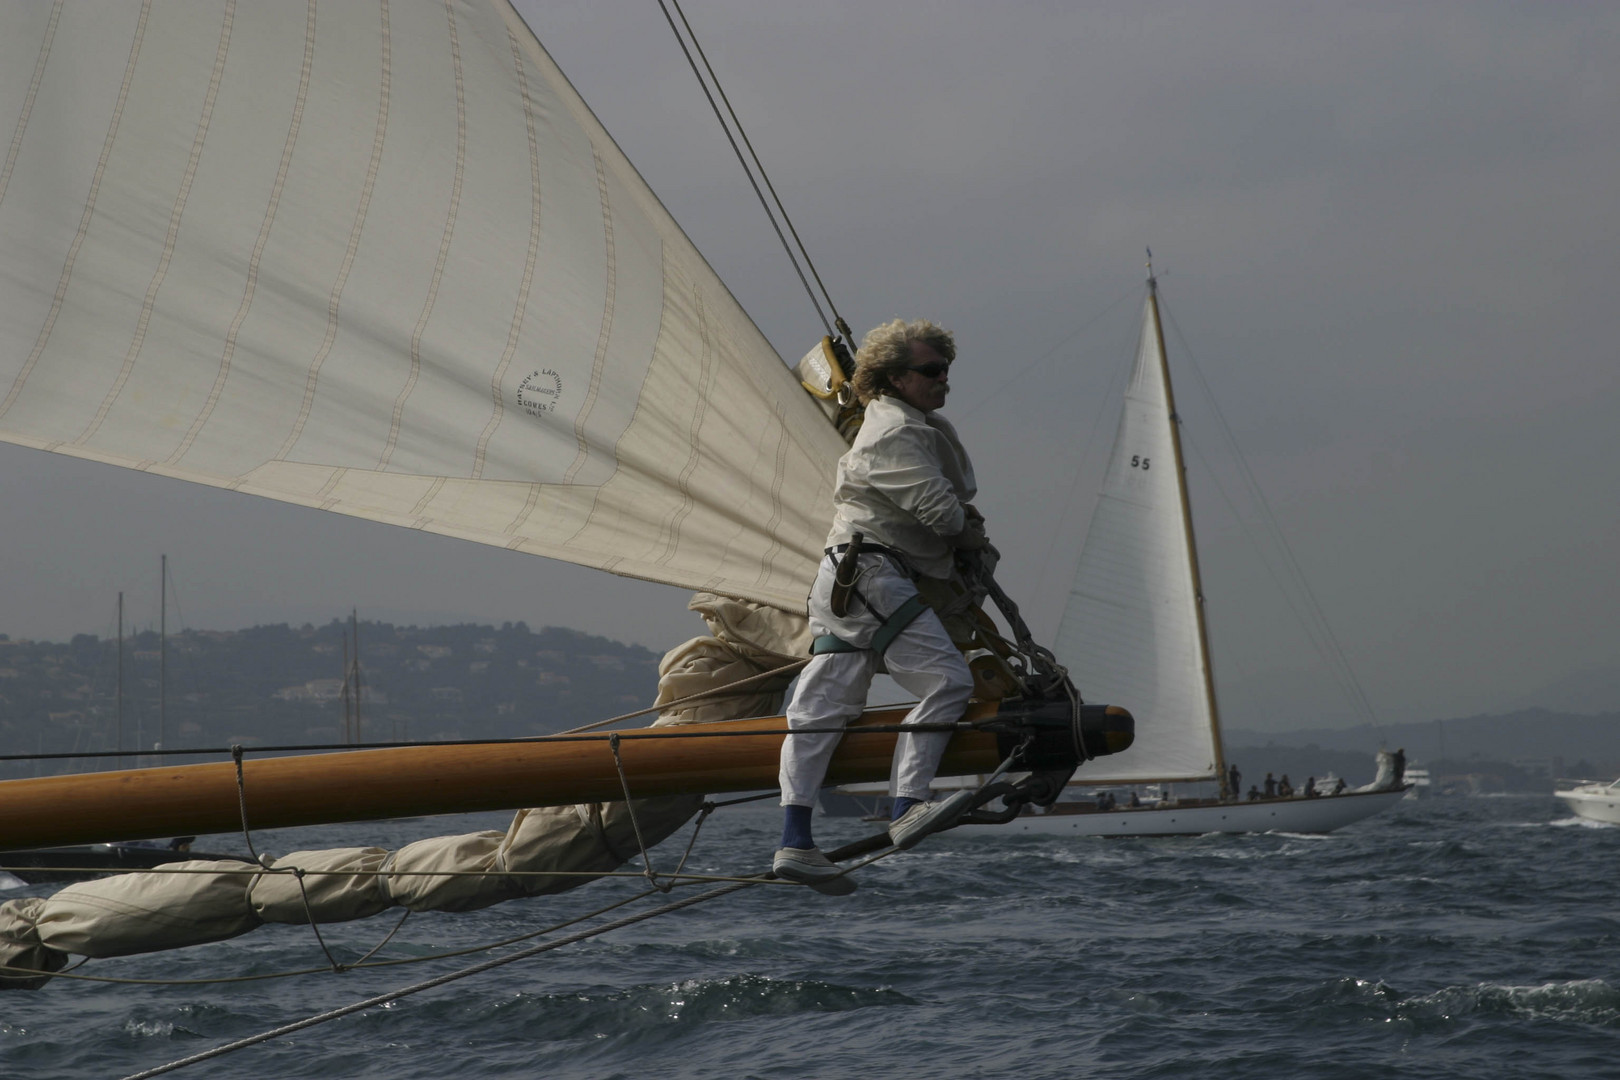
845 579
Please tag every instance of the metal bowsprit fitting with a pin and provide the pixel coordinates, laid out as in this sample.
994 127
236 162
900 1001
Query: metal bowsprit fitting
1049 739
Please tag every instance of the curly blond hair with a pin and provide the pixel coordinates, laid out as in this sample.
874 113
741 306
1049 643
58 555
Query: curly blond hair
886 350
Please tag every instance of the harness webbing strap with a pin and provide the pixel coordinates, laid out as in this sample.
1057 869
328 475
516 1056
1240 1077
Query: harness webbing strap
895 624
829 643
891 628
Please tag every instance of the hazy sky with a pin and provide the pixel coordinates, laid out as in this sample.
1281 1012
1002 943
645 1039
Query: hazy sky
1386 232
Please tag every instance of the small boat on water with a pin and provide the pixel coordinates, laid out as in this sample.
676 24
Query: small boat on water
1420 780
1594 801
42 865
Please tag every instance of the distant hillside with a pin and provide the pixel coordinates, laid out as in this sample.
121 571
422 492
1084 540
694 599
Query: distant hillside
1529 734
280 685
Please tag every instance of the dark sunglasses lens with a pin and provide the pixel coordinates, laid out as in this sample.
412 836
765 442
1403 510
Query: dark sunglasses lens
932 371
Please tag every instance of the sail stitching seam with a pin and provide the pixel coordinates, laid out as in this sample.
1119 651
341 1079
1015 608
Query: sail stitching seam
171 238
327 488
84 218
334 300
444 248
259 243
768 561
672 528
28 101
582 451
516 328
664 273
422 504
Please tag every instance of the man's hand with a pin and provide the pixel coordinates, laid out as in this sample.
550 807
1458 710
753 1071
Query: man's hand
972 537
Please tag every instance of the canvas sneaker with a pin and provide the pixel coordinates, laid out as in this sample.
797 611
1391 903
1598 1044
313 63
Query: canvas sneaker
808 866
928 817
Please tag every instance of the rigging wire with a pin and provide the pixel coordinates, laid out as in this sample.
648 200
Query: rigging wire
1314 619
1007 382
1079 472
441 980
673 731
882 848
702 695
842 328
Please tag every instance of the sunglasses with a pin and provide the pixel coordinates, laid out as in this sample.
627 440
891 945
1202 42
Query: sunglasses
932 370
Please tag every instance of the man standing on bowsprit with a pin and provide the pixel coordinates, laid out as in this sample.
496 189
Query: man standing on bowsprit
901 498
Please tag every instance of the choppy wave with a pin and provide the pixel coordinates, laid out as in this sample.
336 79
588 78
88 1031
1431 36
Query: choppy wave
1449 937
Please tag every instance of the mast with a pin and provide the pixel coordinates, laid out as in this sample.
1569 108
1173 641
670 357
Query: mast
118 709
163 650
1187 522
348 734
354 627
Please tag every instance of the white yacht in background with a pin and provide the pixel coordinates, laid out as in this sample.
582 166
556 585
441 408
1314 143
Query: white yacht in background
1419 778
1133 632
1595 801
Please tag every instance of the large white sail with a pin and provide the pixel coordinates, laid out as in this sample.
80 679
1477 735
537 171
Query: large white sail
1130 629
379 258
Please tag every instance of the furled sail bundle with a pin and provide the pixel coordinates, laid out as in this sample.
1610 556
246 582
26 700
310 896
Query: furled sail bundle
381 259
1131 629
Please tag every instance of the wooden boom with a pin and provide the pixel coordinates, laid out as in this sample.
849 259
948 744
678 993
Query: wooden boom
736 755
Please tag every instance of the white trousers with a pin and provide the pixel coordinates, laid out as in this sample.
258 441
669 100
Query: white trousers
832 691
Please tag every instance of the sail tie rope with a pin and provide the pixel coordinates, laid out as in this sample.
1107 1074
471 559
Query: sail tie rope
269 867
676 878
630 808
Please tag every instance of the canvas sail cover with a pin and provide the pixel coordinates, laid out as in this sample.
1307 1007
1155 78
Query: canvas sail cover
379 258
1129 632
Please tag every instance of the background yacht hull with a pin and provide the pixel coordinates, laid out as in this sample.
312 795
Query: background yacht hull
1302 815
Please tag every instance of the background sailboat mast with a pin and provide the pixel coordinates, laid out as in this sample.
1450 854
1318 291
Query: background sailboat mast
118 709
1187 523
354 630
163 650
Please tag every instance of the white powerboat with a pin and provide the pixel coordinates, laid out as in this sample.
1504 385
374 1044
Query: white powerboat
1595 801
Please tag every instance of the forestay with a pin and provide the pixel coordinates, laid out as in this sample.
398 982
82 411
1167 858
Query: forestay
1130 629
381 259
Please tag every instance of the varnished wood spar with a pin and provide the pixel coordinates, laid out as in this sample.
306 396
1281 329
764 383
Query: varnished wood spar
364 785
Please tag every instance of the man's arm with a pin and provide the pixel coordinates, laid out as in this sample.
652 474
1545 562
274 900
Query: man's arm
903 469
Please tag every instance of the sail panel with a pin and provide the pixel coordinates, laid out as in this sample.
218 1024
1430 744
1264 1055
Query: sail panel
381 259
1129 633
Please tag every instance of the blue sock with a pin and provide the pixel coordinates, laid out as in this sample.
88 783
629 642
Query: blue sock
901 805
796 827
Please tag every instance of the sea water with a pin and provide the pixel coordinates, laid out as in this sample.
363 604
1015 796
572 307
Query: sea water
1462 937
